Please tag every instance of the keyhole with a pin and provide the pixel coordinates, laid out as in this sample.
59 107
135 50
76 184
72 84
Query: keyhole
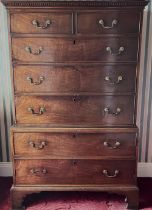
74 135
74 42
74 99
74 162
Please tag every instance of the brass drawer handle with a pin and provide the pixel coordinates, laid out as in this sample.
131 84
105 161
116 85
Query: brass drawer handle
38 171
109 111
115 146
119 79
40 80
41 111
107 174
36 52
113 24
41 26
39 145
120 51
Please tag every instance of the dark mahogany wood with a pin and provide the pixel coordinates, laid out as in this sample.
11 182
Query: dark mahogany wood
75 72
63 145
59 23
70 49
74 172
89 22
75 110
75 78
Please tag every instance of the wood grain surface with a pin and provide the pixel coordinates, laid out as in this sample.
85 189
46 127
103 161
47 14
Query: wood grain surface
71 49
75 78
75 110
74 172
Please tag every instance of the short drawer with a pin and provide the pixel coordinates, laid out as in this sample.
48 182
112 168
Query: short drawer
40 23
106 22
75 78
75 110
75 171
56 145
69 49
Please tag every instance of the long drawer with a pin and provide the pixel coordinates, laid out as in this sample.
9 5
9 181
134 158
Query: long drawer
78 78
74 172
112 49
74 144
75 110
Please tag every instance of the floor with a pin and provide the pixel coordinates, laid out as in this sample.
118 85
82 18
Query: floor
78 200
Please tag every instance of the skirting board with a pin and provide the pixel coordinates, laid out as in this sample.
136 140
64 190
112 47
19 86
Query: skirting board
6 169
144 169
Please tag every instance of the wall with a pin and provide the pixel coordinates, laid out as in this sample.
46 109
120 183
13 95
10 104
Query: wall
5 89
144 119
144 112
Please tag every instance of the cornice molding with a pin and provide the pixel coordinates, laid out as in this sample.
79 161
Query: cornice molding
74 3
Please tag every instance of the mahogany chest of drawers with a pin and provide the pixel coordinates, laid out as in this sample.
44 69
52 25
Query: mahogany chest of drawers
75 68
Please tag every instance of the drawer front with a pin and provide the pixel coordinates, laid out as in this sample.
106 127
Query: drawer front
75 144
78 78
75 172
53 23
83 110
59 50
107 22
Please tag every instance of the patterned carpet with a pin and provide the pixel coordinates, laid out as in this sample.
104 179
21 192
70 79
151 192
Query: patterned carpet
78 200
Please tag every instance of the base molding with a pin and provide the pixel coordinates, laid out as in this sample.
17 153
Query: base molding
144 169
20 194
6 169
